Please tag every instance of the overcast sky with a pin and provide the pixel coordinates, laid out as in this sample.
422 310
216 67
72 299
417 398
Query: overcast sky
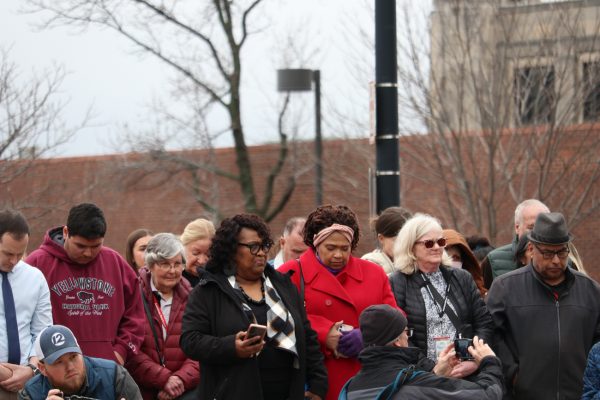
105 72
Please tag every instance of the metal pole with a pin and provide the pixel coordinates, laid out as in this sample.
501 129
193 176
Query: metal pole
387 173
318 140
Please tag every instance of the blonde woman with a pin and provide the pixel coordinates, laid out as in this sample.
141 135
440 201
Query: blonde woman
442 303
196 238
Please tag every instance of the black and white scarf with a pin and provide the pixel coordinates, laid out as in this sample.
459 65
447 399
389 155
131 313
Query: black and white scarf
280 323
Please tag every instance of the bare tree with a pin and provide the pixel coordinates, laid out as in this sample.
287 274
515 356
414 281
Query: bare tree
202 42
31 126
508 95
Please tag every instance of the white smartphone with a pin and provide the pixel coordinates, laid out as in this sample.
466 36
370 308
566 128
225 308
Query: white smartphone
255 330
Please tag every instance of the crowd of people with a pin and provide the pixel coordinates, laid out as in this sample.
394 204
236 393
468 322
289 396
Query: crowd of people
213 313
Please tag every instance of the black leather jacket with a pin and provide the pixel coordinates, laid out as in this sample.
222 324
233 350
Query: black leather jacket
543 337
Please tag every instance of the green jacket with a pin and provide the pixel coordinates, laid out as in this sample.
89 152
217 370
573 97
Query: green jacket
502 259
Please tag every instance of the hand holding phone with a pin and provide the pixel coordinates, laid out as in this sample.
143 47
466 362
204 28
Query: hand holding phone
461 346
256 330
246 343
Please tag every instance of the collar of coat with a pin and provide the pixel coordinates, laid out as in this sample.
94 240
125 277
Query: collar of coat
311 268
569 279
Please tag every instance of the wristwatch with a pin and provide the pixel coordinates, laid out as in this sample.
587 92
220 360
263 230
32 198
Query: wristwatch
34 369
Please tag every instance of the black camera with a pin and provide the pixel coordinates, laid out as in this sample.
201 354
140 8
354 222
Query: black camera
461 346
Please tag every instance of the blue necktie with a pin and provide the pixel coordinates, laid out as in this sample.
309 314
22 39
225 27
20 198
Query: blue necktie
12 329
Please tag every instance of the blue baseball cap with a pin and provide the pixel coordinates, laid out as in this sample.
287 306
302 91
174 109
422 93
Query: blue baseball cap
53 342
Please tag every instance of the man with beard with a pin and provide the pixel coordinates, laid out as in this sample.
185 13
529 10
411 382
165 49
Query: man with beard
65 372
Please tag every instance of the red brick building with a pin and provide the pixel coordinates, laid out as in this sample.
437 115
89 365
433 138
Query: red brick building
135 193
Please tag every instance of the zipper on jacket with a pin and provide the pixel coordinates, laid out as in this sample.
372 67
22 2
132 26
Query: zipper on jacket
559 344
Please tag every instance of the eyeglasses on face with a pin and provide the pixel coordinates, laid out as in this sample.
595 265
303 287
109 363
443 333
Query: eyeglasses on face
256 247
165 265
549 254
408 331
430 242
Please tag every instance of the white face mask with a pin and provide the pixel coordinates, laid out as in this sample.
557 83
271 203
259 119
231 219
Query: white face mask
456 264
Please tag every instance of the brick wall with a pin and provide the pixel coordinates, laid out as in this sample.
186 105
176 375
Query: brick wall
134 193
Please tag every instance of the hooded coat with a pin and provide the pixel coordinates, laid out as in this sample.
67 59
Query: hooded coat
99 301
469 262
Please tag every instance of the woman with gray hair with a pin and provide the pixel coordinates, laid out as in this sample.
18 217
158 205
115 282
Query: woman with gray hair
442 303
161 369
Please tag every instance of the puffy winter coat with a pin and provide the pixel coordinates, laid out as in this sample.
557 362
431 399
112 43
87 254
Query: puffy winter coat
145 367
465 298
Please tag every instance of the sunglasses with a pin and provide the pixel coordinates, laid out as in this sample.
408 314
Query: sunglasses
430 242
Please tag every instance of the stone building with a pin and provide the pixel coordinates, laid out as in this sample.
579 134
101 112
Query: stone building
513 63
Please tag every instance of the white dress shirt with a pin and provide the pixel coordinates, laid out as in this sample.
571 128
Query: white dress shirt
32 304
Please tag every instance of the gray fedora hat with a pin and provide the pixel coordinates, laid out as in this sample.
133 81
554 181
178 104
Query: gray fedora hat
550 228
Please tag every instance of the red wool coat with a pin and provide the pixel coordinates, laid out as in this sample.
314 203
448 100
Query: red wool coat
331 298
145 367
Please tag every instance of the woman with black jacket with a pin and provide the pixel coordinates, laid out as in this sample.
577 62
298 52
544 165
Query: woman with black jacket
442 303
239 288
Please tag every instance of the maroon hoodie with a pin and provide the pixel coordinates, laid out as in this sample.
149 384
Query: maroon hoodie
99 301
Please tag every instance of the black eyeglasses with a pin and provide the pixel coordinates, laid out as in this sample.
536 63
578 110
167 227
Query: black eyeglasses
256 247
165 265
549 254
430 242
409 333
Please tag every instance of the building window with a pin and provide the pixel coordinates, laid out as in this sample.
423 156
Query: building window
534 95
591 91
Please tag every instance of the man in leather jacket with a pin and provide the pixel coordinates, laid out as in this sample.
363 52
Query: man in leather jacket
547 317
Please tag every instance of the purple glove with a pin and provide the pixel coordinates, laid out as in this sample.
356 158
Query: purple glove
351 343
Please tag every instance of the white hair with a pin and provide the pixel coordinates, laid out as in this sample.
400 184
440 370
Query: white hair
414 229
527 203
161 247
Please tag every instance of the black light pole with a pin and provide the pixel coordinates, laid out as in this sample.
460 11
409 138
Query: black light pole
301 80
387 173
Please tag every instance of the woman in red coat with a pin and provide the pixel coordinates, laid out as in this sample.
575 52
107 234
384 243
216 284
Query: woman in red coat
161 369
336 288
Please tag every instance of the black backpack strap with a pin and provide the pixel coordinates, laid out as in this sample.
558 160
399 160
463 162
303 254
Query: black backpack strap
301 283
151 322
403 376
447 310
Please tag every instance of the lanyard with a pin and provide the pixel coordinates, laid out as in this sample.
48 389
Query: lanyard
161 316
443 308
